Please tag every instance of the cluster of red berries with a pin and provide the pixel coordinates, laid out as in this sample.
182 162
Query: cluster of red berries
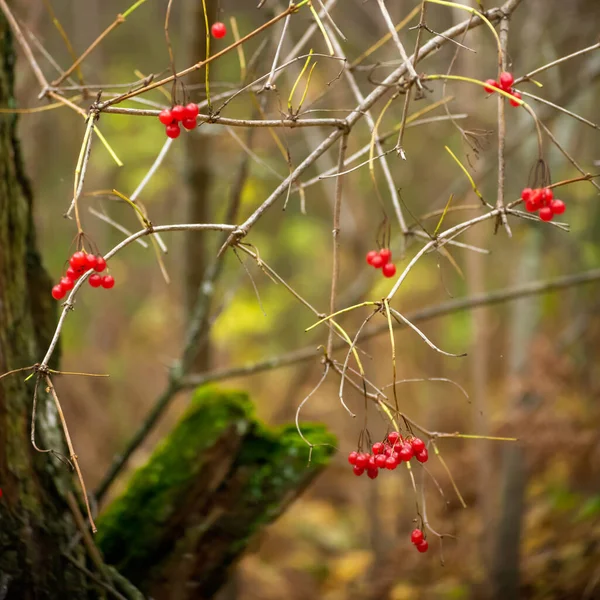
218 30
416 537
381 260
505 84
186 115
542 199
388 454
79 263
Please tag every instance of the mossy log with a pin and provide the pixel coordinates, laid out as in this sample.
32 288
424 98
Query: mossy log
191 511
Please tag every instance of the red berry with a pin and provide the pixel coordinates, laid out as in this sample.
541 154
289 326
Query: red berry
358 471
352 457
422 456
165 117
362 460
372 473
191 111
417 444
516 95
371 462
95 280
100 264
108 282
189 124
416 537
423 546
386 254
90 261
179 113
218 30
558 207
391 462
78 260
536 198
393 437
406 453
377 261
66 283
58 292
547 196
546 213
380 461
526 194
72 274
371 255
378 448
491 84
506 81
531 206
389 270
173 131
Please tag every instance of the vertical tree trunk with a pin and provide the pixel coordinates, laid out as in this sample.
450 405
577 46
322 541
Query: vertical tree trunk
35 524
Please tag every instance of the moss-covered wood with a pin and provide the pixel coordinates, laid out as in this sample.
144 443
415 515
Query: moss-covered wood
191 511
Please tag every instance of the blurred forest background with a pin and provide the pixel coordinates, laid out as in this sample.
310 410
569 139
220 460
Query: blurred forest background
531 370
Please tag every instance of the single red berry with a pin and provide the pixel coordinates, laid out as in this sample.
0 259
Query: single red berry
516 95
378 448
91 260
371 464
536 198
72 274
173 131
352 457
380 461
531 206
372 473
393 437
558 207
377 261
66 283
546 213
416 537
526 194
391 462
78 260
389 270
362 460
179 113
417 444
191 111
165 117
386 254
189 124
58 292
490 85
506 80
422 456
95 280
358 471
406 453
108 281
218 30
100 264
423 546
371 255
547 196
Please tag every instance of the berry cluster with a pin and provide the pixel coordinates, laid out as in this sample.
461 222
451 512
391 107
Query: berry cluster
542 199
381 260
79 263
186 115
416 537
218 30
504 84
388 454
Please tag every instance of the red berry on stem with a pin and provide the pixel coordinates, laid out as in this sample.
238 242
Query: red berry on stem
380 461
393 437
417 444
386 255
165 117
377 261
391 462
558 207
66 283
358 471
536 198
491 84
406 453
95 280
372 473
371 464
108 282
90 261
389 270
547 196
78 260
546 213
191 111
100 264
506 80
218 30
416 537
179 113
189 124
371 255
423 546
72 274
352 457
173 131
58 292
531 206
378 448
516 95
362 460
526 194
422 456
